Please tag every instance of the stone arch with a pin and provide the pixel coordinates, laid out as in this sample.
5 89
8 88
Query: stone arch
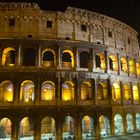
131 67
113 64
48 128
68 91
129 119
48 58
48 91
127 92
138 121
116 92
118 124
68 128
9 56
6 91
100 61
86 90
27 91
87 127
67 59
123 64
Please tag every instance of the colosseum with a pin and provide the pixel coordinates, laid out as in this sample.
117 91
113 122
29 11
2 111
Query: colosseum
72 75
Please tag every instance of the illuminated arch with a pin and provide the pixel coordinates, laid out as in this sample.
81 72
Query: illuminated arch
127 92
84 59
100 61
48 129
129 119
118 124
87 127
104 126
131 67
48 58
138 121
48 91
27 91
123 64
27 129
8 56
68 91
6 92
138 68
68 128
86 91
135 93
102 91
67 59
116 93
5 128
113 65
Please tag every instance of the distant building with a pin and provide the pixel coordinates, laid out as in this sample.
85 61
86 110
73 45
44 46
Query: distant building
72 75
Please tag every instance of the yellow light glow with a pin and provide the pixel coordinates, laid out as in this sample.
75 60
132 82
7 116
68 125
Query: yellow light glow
135 93
72 56
123 64
102 60
131 67
138 68
116 92
115 64
127 94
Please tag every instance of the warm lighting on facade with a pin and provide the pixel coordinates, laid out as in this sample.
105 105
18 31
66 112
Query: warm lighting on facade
48 91
127 92
68 91
86 91
101 62
113 64
27 91
123 64
138 68
116 95
131 67
135 93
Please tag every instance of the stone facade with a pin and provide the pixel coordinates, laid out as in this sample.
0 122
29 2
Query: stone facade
68 48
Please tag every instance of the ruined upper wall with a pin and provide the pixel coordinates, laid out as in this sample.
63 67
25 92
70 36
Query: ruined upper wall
25 20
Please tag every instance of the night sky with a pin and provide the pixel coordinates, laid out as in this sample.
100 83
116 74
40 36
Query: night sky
127 11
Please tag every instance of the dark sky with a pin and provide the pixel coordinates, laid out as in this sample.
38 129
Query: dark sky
127 11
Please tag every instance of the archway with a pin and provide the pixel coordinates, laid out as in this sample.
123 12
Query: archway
87 128
104 126
48 130
138 121
68 128
118 124
130 127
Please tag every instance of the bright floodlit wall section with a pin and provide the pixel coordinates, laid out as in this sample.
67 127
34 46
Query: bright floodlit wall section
72 75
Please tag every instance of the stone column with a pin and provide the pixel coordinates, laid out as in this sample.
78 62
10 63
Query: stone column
19 56
15 129
97 127
37 91
121 92
78 128
58 59
37 133
134 121
96 92
39 60
112 127
16 92
124 124
59 91
77 60
58 129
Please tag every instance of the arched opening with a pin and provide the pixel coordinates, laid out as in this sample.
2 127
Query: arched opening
86 91
48 91
118 124
135 93
138 121
68 91
48 58
123 65
113 65
27 91
68 128
102 92
27 129
138 68
131 67
129 119
127 92
116 95
84 59
48 129
29 56
67 59
87 128
104 126
8 57
6 91
5 129
100 61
